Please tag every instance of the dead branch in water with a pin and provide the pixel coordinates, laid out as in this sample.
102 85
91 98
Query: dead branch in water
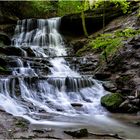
106 134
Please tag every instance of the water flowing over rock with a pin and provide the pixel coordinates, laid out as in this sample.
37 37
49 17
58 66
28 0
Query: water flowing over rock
42 81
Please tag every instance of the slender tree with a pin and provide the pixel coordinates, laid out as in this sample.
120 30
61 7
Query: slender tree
83 3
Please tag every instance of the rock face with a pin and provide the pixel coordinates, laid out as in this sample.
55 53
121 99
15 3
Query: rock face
124 68
112 102
84 65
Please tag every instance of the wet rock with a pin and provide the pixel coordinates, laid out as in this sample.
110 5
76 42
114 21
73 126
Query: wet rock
102 76
128 107
112 101
84 65
78 133
76 104
109 86
13 51
5 38
29 51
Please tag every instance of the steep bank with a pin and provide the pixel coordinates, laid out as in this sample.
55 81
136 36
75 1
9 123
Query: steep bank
122 69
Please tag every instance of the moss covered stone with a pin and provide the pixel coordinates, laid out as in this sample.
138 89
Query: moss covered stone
112 101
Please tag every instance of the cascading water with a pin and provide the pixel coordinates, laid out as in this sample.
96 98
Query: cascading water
62 91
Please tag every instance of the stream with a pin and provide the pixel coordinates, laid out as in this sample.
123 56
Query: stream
45 90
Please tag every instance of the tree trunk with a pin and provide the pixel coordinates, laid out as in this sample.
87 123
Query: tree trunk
84 24
83 19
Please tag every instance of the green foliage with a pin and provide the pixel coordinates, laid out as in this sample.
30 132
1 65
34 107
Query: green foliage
68 7
40 7
108 44
128 32
123 4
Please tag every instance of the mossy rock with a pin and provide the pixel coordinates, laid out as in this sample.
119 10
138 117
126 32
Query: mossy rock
112 102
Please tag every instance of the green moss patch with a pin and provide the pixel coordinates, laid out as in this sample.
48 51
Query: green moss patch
112 101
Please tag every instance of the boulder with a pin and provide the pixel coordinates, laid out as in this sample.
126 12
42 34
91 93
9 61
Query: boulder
109 86
112 102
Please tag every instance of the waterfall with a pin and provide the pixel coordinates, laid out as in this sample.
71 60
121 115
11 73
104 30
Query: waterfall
29 92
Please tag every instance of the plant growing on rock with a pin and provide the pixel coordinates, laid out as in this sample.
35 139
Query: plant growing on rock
107 44
128 32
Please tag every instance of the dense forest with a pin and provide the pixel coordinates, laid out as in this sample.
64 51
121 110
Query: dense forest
70 69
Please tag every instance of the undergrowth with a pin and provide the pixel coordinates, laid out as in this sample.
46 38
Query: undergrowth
108 44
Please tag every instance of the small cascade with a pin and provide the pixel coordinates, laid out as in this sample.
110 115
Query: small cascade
31 92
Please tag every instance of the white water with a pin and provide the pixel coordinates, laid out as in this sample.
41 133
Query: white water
38 98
